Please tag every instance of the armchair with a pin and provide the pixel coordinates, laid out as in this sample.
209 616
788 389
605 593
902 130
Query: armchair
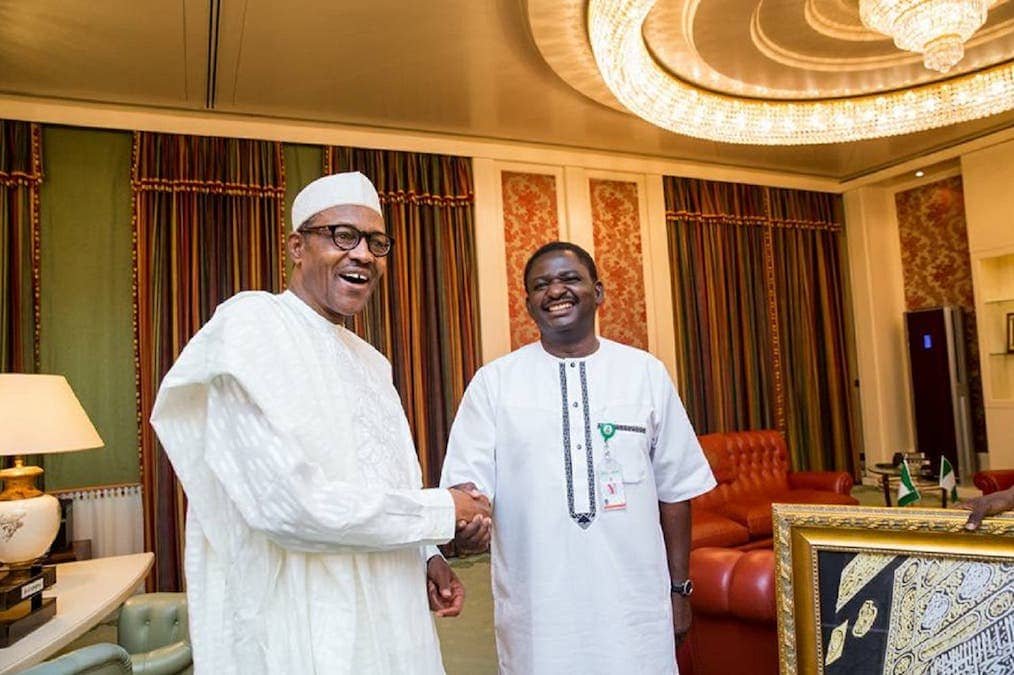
153 636
153 628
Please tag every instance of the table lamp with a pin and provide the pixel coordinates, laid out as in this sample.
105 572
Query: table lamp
39 414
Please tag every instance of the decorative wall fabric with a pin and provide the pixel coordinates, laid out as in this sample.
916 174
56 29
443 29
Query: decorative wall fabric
20 177
760 314
425 315
937 270
530 219
208 223
619 257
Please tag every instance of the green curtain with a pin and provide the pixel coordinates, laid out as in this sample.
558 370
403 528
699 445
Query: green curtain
425 316
760 313
87 298
208 224
20 176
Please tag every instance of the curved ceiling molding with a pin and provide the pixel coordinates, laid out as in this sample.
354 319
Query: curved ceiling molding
701 92
840 30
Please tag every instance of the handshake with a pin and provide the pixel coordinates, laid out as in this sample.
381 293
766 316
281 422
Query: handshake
473 518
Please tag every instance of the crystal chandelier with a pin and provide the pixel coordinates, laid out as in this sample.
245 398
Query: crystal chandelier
652 93
937 29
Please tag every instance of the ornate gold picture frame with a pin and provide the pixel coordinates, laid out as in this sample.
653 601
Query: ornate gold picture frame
892 590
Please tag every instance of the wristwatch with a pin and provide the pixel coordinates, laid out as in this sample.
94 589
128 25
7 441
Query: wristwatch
684 588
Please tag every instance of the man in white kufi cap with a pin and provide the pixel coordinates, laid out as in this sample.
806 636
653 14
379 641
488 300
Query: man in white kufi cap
310 541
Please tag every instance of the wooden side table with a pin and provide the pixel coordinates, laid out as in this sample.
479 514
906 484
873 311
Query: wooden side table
86 592
890 475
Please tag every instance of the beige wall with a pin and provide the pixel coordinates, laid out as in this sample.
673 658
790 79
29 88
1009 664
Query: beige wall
988 177
879 305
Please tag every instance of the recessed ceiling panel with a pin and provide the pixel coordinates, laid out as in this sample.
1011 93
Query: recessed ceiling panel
121 51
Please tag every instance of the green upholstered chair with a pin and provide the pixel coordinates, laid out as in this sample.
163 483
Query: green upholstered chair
100 659
153 628
153 640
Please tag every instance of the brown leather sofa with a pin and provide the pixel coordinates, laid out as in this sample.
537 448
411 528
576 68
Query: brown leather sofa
735 628
752 470
993 481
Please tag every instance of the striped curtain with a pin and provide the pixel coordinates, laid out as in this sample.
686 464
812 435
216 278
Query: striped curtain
424 316
760 314
20 177
208 223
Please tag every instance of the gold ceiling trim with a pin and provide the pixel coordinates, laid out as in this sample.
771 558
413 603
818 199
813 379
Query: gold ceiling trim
853 32
652 93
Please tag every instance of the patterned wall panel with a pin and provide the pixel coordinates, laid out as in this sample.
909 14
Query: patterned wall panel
530 220
617 230
937 269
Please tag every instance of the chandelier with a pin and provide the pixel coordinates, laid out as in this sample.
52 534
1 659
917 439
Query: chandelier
938 29
652 93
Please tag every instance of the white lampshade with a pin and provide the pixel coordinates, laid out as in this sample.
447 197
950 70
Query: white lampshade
40 414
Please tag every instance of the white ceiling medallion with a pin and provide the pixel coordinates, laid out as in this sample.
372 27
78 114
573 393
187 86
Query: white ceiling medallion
652 93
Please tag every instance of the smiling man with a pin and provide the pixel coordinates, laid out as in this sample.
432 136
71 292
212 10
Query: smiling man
587 453
309 536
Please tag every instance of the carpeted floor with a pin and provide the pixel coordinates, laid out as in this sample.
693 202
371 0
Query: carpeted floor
467 641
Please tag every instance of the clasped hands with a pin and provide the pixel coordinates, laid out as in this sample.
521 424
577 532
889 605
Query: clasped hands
473 516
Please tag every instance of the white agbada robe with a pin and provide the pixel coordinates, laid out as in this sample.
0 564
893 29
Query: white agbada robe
306 520
577 589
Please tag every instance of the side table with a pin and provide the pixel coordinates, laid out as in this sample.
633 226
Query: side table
891 474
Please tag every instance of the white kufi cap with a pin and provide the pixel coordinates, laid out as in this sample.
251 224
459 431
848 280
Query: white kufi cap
334 190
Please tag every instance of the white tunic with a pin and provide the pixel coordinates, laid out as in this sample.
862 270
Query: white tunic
577 589
306 518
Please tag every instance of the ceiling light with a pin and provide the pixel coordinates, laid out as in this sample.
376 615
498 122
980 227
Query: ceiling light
920 173
937 29
652 93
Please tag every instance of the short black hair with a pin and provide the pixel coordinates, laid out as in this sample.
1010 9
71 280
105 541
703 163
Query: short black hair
581 254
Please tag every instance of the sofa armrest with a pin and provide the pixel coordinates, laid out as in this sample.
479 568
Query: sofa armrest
994 481
101 659
734 583
831 481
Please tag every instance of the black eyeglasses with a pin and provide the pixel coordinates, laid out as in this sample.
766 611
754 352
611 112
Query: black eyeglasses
347 237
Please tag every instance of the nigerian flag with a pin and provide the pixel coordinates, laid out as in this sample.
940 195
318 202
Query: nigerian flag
947 481
906 488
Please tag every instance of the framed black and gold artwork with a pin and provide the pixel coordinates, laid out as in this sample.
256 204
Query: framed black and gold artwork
889 590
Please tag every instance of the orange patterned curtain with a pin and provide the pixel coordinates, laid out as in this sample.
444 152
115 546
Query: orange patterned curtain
425 315
758 292
208 223
20 177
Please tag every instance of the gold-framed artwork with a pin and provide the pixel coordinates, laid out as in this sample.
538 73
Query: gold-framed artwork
892 590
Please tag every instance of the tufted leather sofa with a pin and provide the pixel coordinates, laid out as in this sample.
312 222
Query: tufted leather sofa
735 627
752 470
994 481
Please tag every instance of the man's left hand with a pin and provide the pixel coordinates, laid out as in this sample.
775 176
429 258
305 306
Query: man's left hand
446 593
681 617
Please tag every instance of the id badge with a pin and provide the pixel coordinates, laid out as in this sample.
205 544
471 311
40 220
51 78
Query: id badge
611 486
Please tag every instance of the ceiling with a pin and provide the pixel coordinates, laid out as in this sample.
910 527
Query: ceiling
494 69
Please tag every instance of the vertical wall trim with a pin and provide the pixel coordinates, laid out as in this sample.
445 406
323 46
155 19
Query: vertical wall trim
491 259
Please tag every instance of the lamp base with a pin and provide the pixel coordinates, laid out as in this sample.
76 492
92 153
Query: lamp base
27 530
29 519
